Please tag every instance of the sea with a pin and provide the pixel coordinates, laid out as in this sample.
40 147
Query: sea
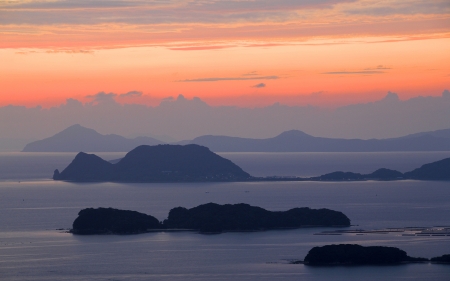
36 212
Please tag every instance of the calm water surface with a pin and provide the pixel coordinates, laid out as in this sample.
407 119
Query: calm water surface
31 247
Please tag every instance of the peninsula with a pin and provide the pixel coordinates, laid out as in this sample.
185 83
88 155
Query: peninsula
206 218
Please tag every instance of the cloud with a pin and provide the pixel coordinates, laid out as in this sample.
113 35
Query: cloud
446 94
379 67
215 79
154 12
167 99
317 94
69 51
354 72
210 23
199 48
260 85
73 103
396 7
251 73
102 97
131 94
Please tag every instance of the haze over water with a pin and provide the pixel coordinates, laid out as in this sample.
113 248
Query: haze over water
32 249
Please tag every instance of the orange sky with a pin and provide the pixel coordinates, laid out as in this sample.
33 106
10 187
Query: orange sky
246 53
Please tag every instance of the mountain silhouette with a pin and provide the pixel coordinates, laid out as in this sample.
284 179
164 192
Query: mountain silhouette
439 170
77 138
298 141
160 163
213 217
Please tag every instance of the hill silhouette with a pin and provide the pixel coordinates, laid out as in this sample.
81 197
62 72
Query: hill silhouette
161 163
351 254
298 141
113 221
78 138
213 217
439 170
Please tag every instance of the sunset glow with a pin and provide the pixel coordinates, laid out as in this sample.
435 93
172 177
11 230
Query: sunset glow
246 53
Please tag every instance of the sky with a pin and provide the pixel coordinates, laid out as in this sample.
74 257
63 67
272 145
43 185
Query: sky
247 53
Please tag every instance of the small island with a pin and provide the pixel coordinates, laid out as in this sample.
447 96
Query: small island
112 221
351 254
206 218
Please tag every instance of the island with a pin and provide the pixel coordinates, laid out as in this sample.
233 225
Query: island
215 218
113 221
380 174
351 254
206 218
160 163
442 259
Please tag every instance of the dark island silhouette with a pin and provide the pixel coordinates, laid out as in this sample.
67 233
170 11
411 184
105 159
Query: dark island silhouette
442 259
243 217
380 174
113 221
439 170
194 163
78 138
206 218
351 254
161 163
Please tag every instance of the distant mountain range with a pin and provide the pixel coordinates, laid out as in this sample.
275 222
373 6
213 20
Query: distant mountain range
77 138
298 141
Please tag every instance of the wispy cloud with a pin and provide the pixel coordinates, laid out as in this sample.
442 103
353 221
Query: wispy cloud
379 69
198 48
215 79
102 97
131 94
398 7
260 85
354 72
258 23
251 73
